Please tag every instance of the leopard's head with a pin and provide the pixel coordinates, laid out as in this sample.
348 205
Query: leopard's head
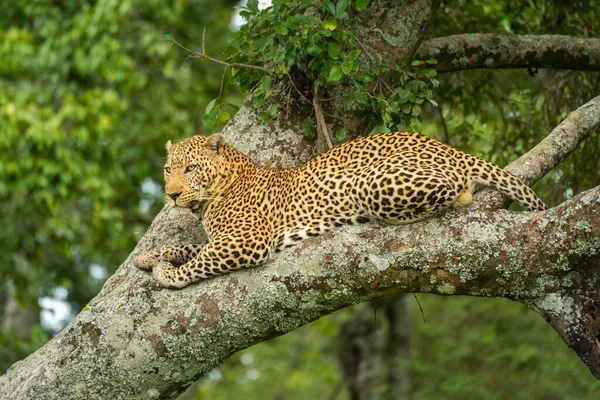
192 170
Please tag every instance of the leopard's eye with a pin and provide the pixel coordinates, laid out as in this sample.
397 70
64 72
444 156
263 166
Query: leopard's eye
167 170
190 168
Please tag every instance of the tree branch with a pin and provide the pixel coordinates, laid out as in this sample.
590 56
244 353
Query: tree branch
472 51
551 151
203 55
323 139
139 341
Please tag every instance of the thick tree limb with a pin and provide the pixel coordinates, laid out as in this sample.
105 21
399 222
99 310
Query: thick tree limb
472 51
141 341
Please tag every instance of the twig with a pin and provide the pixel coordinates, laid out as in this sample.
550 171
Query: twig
222 81
323 140
420 308
387 86
298 90
203 55
446 133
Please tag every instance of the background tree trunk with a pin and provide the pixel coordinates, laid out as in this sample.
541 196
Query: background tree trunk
373 345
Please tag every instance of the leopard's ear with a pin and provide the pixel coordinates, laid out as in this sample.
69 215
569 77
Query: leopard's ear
168 146
215 143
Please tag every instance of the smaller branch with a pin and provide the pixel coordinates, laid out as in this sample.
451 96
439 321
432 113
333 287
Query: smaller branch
445 126
203 55
559 144
222 82
323 139
551 151
472 51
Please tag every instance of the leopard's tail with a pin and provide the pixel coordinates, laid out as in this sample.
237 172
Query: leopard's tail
489 174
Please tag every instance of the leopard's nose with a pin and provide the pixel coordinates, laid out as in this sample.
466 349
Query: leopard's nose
174 196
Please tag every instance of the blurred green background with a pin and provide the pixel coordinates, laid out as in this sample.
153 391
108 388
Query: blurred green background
89 94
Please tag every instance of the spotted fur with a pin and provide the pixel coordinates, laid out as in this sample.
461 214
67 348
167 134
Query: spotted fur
250 212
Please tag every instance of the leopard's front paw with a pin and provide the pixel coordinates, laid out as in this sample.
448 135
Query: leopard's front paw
166 275
145 262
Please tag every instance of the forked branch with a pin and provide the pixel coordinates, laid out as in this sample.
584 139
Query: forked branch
203 55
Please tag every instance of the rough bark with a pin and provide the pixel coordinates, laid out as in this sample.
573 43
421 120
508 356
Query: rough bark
389 30
472 51
140 341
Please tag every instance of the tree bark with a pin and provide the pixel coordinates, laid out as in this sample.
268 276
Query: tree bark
471 51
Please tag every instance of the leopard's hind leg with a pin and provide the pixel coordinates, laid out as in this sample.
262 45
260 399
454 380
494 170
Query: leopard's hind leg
401 192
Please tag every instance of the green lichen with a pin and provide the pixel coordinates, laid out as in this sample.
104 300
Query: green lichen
559 305
587 247
583 226
446 288
379 262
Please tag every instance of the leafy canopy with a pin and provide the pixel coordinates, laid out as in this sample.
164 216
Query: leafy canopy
317 40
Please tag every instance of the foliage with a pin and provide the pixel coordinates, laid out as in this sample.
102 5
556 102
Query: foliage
318 39
89 94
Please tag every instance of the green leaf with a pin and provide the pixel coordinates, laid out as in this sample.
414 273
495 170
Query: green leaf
416 110
335 74
364 77
330 24
224 116
308 127
340 134
315 47
292 23
169 37
234 107
431 61
210 106
340 9
353 55
258 100
362 4
209 119
252 5
269 113
429 73
333 50
329 7
281 29
416 63
433 102
346 68
266 82
86 309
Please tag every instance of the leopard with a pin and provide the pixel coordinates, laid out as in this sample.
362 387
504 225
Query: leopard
250 212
